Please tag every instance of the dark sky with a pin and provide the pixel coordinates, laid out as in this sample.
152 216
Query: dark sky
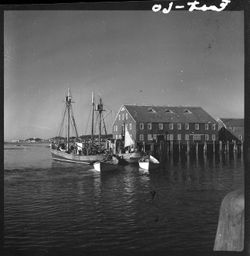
180 58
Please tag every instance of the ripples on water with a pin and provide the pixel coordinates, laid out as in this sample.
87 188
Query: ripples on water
52 204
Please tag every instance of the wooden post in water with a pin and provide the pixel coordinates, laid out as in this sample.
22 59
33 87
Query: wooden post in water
230 230
220 146
197 149
152 148
227 146
167 147
235 146
188 147
205 147
171 147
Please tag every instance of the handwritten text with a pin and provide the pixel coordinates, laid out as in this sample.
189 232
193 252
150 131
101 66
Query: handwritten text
192 6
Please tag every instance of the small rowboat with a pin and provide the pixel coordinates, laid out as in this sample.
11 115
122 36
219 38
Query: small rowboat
106 165
148 163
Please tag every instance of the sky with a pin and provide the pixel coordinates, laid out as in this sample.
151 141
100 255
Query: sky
125 57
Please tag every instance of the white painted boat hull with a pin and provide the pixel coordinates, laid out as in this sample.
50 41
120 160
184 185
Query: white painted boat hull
73 158
149 164
104 167
144 165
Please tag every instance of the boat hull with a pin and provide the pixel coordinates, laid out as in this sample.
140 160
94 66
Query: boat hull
144 165
72 158
104 167
149 164
130 158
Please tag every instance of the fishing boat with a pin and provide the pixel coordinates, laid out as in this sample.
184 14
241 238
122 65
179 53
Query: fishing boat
106 164
74 150
131 154
148 163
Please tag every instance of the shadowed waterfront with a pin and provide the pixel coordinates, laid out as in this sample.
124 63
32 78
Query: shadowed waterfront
62 205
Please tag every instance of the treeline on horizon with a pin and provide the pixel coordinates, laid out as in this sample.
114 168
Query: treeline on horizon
82 137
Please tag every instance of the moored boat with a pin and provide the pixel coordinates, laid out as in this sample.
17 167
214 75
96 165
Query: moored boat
106 165
148 163
74 158
131 155
76 151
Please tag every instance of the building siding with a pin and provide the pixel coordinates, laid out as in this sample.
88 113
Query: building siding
177 134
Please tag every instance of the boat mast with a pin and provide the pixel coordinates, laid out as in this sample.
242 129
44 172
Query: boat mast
100 110
68 105
92 124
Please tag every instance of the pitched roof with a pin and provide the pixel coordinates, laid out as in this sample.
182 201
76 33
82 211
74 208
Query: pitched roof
233 122
163 114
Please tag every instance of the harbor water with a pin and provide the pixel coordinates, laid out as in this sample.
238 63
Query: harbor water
51 204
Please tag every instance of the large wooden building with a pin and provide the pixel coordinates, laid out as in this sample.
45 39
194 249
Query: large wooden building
151 123
232 127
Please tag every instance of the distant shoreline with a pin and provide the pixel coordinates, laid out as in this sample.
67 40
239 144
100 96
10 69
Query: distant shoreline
26 143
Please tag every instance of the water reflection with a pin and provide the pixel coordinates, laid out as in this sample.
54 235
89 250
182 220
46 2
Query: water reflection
61 204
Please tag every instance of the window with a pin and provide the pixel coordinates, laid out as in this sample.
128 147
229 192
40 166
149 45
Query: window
206 127
141 126
149 126
213 137
119 117
160 126
197 127
126 126
141 137
187 111
150 137
186 126
186 136
241 137
178 136
168 111
130 126
197 137
155 136
126 116
171 126
206 137
122 116
171 137
179 126
151 110
115 128
214 127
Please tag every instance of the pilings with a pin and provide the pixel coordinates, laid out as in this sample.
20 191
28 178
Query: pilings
230 230
194 148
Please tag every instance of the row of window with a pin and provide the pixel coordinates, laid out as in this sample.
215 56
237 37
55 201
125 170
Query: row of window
170 137
123 116
170 126
128 126
179 137
179 126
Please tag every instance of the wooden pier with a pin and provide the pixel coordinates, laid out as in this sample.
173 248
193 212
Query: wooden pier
166 149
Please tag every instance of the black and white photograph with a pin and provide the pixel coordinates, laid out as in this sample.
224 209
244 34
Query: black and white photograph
124 129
